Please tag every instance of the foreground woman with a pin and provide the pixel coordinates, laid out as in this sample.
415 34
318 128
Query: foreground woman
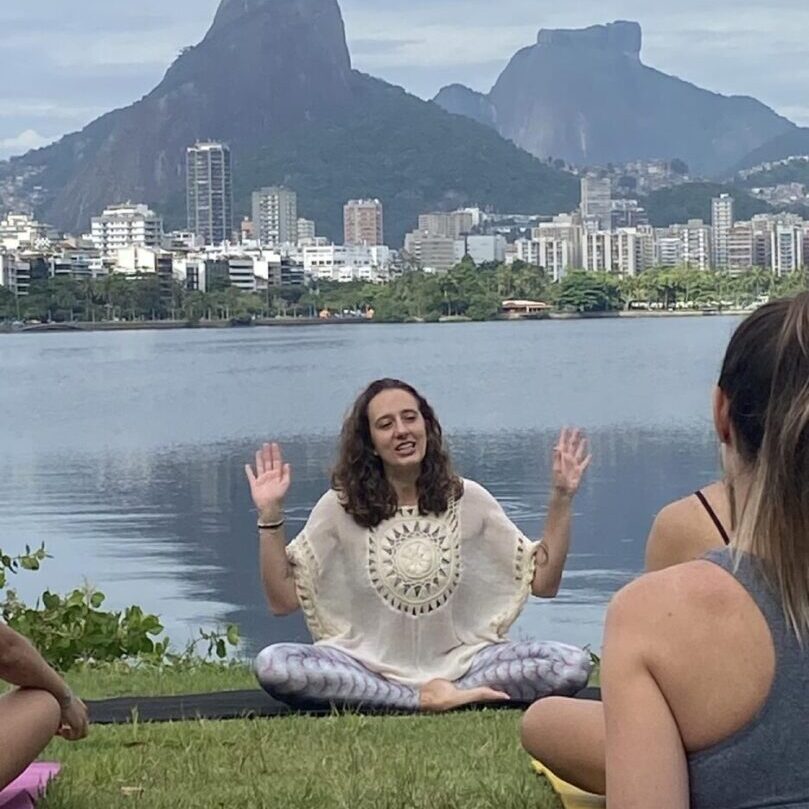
706 665
408 576
42 708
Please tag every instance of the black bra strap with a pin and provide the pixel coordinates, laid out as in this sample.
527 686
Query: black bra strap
712 514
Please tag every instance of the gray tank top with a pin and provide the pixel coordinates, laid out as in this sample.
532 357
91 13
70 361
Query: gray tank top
766 763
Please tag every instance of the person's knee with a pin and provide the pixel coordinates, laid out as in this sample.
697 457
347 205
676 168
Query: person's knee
42 709
540 725
271 665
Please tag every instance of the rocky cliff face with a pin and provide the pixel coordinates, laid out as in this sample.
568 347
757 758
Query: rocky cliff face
585 96
273 79
264 65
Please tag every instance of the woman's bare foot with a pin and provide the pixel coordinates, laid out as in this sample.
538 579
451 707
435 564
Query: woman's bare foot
442 695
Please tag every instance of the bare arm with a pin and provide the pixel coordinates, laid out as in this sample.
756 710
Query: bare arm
556 544
276 572
269 484
570 461
22 665
646 761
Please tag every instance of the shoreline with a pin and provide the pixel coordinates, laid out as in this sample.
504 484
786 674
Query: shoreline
164 325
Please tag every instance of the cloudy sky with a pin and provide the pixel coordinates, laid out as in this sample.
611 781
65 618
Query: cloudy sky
71 62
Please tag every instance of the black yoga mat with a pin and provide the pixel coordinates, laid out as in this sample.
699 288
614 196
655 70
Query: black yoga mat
222 705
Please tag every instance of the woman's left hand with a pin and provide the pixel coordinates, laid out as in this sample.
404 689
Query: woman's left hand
570 460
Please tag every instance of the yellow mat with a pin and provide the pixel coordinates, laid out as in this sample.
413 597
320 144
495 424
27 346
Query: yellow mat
571 797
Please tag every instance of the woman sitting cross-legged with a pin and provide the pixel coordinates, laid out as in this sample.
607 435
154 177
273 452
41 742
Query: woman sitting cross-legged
42 707
706 663
408 576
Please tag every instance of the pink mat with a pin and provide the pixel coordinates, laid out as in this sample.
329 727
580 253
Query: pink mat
22 793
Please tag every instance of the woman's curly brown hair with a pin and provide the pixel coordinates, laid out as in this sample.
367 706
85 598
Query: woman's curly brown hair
359 476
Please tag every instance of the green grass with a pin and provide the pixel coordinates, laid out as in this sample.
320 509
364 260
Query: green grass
457 761
123 681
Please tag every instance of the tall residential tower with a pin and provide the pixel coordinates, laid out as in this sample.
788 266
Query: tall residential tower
362 222
275 216
209 192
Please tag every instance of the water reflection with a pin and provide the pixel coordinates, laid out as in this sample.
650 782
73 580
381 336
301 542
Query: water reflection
174 530
124 452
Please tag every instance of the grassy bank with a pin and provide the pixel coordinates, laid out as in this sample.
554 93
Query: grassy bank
458 761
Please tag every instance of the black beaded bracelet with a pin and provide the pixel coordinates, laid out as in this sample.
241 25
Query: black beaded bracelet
270 526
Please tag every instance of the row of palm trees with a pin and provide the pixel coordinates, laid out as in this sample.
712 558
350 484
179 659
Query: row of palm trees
466 290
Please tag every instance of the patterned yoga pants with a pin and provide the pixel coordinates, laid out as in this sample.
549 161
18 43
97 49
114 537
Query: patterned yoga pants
301 674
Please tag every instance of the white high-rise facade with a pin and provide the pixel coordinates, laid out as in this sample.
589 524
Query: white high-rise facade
787 248
696 236
596 202
721 224
306 231
127 225
621 251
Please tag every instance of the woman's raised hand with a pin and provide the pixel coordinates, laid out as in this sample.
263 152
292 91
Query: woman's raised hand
270 481
570 460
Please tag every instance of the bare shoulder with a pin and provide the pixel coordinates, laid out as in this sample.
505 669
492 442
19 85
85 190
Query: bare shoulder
683 595
682 531
699 634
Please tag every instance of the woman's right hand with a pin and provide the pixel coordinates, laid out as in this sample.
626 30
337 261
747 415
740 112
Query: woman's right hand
270 482
74 723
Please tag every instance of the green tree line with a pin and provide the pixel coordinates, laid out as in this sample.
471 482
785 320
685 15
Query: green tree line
475 292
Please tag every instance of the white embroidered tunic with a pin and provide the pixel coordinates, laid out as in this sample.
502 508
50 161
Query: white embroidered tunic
416 597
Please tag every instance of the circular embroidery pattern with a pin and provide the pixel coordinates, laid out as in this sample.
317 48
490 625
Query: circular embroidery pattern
415 563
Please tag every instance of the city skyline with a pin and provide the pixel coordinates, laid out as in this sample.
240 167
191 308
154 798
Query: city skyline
120 53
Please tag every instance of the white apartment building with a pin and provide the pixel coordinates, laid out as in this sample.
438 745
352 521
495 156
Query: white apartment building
668 248
696 238
563 227
242 272
452 224
306 232
722 223
275 216
552 254
20 230
620 251
78 265
432 253
787 248
127 225
200 273
136 259
336 262
686 245
596 202
181 241
15 274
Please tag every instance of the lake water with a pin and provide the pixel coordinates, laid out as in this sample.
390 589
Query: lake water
124 452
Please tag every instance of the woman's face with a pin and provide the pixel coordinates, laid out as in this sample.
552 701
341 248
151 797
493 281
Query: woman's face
398 430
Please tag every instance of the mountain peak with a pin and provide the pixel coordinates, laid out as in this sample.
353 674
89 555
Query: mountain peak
294 19
585 96
232 10
621 36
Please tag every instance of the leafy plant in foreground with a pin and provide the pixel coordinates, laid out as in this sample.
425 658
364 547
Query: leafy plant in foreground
73 629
